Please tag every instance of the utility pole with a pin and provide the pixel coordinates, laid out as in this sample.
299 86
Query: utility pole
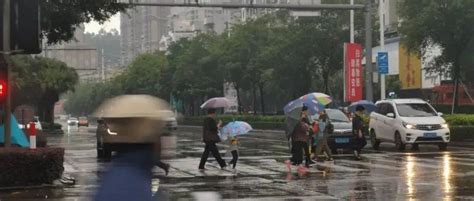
382 47
102 65
352 23
6 49
369 92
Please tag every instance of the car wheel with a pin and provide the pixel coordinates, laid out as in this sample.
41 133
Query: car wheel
398 142
415 147
443 146
373 140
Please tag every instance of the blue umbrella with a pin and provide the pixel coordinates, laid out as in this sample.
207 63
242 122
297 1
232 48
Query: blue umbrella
235 128
368 106
18 137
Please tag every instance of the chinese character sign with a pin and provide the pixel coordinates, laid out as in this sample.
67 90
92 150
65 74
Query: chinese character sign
353 72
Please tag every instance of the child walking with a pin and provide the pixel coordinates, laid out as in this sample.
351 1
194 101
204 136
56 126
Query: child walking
234 150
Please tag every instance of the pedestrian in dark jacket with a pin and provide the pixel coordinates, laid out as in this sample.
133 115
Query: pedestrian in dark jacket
300 141
358 141
210 137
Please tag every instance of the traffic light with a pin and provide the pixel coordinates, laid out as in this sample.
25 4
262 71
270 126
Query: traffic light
25 27
3 81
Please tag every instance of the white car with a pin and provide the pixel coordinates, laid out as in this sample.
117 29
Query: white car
38 125
72 121
407 121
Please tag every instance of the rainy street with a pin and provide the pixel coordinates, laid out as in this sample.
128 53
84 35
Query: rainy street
261 174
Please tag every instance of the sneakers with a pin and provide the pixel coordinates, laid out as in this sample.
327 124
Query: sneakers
357 155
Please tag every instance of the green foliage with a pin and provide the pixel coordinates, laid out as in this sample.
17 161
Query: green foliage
460 119
274 57
447 24
59 18
39 82
139 78
109 42
446 109
23 167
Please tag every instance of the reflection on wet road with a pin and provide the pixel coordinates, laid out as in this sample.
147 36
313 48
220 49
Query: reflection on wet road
261 174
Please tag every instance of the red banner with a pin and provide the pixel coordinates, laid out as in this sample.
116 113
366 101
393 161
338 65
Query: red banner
352 72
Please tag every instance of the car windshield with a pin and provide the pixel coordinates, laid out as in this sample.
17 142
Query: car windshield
82 118
337 116
415 110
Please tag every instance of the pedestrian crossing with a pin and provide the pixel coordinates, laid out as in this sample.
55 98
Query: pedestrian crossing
274 165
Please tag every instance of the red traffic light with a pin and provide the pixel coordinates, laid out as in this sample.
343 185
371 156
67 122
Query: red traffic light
3 89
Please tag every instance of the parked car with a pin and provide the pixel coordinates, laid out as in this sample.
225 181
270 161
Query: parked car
407 121
342 135
72 121
168 139
83 121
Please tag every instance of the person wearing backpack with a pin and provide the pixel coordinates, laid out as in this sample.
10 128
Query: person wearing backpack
325 129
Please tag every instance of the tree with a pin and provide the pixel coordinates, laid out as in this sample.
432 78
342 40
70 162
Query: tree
59 18
196 75
109 42
447 24
40 82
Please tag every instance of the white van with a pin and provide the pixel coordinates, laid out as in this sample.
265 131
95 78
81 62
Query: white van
407 121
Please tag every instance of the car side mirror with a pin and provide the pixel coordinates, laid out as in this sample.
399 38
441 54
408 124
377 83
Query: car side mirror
440 114
391 115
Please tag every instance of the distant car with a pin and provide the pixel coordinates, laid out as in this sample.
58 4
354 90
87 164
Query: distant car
83 121
72 121
36 121
407 121
168 139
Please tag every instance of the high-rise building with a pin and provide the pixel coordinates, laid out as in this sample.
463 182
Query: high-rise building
141 29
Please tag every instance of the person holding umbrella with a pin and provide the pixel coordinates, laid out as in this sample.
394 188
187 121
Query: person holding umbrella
300 140
358 131
210 137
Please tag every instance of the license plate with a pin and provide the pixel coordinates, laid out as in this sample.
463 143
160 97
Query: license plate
342 140
430 135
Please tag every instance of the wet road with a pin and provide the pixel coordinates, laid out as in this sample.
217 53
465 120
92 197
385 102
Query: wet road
261 175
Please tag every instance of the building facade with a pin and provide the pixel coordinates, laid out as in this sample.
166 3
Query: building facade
141 30
78 54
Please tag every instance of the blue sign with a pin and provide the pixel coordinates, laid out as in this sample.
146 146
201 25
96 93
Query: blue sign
382 62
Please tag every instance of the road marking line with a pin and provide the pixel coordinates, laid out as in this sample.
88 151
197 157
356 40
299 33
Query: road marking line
371 165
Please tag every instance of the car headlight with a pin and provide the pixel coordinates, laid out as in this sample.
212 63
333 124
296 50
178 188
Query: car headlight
408 125
444 125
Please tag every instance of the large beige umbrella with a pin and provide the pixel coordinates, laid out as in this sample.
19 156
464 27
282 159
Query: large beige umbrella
133 118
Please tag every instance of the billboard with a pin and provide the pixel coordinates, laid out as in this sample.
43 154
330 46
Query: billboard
409 69
352 72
